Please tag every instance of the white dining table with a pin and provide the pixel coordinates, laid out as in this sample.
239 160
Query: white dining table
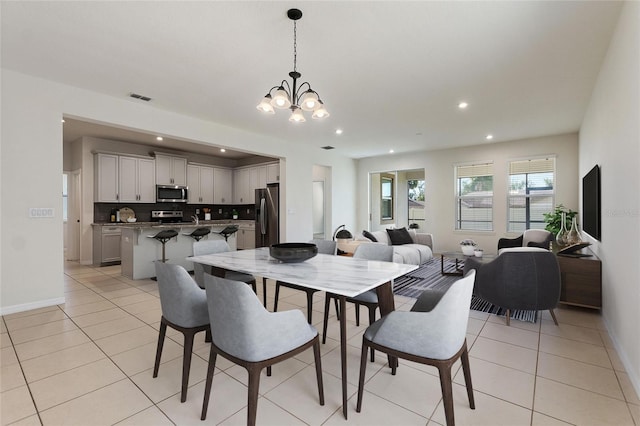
341 275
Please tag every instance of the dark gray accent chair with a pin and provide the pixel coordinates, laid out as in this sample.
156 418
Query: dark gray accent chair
436 337
211 247
520 279
530 238
324 247
184 308
245 333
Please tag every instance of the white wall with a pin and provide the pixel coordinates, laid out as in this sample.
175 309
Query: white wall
439 183
31 165
610 137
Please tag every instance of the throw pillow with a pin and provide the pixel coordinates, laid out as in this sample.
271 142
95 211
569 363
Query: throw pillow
399 236
370 236
539 245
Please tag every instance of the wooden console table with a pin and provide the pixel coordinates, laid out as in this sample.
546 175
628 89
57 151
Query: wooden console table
581 279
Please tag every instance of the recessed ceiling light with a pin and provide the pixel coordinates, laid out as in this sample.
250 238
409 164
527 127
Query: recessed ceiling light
463 105
159 138
390 151
489 137
338 131
223 150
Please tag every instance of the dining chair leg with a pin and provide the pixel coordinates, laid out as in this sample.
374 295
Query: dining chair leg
163 332
316 357
309 305
357 306
467 375
363 371
264 291
447 392
553 315
327 302
207 336
207 388
343 352
508 316
276 295
186 362
252 399
372 319
253 286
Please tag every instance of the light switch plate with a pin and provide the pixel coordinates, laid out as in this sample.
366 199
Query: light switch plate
41 212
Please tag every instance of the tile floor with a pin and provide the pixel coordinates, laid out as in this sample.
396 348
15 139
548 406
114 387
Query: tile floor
89 362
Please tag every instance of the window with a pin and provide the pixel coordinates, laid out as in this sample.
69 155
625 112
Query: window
415 209
386 198
531 193
474 197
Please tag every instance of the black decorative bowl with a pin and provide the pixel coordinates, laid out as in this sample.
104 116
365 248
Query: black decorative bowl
293 252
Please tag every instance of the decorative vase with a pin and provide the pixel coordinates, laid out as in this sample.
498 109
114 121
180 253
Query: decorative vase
467 250
573 236
561 237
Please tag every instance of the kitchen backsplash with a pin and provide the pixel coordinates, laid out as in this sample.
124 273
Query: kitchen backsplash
102 211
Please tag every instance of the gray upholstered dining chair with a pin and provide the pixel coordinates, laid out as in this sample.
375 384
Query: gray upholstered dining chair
184 308
203 247
324 247
380 252
245 333
437 338
524 278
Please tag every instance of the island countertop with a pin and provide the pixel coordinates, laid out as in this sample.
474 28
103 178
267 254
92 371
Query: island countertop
219 222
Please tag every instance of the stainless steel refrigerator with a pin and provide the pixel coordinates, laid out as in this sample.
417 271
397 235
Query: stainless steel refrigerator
267 221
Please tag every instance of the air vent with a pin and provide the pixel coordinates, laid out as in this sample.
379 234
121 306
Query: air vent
141 97
328 147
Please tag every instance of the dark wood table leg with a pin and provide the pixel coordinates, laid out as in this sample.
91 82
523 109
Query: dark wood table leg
343 351
264 291
386 304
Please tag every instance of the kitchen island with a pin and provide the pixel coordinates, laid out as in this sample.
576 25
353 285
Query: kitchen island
138 250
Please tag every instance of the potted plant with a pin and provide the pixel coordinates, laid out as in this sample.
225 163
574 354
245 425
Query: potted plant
553 220
234 213
467 247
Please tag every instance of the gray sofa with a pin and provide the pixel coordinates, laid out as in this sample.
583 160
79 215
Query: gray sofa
417 252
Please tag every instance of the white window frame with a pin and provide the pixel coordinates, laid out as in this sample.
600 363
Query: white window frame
470 170
527 170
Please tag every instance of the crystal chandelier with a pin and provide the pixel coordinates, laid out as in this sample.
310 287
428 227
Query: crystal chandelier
292 96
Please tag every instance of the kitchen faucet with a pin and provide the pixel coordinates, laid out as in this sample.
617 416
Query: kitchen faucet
195 219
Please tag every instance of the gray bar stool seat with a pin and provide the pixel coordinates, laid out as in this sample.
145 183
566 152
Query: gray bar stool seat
164 237
198 233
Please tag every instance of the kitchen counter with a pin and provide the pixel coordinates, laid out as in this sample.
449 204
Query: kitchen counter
139 250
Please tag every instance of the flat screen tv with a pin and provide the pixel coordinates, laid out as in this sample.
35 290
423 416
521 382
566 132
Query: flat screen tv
591 203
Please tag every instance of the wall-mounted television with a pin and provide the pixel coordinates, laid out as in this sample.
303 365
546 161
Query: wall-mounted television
591 203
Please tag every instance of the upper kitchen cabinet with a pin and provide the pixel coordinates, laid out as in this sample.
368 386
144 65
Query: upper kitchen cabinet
273 173
137 180
124 179
171 170
106 180
200 182
222 186
241 182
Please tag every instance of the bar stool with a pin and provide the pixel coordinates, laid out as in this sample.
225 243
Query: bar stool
163 237
228 231
198 233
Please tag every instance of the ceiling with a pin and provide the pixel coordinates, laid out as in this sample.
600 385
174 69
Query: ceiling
390 73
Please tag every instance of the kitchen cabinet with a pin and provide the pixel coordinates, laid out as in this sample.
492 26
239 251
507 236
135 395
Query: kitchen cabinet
171 170
136 180
106 182
222 186
273 173
246 237
261 181
241 182
106 245
200 182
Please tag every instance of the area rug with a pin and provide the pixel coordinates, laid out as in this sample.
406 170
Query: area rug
429 277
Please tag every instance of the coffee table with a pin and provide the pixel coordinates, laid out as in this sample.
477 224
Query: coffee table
459 256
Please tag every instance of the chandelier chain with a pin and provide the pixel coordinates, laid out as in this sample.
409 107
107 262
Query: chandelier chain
295 46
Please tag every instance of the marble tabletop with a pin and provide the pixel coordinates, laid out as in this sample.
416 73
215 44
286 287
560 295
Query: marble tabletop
341 275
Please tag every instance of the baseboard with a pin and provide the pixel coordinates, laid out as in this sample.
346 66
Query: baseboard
29 306
630 368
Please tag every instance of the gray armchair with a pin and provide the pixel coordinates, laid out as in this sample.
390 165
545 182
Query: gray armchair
184 308
528 280
245 333
437 338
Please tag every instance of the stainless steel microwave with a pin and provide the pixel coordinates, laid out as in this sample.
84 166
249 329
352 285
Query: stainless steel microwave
172 194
